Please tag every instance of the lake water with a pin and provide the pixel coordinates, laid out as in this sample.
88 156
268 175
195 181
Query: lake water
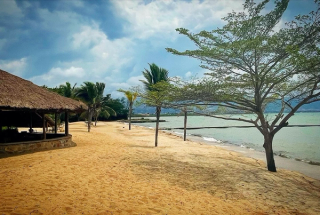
294 142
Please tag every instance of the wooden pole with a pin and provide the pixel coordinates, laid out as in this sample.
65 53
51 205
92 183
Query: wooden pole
66 115
185 126
30 129
55 123
0 123
44 127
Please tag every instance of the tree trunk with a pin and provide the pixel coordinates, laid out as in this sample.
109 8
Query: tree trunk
96 119
185 126
130 111
158 111
269 152
90 112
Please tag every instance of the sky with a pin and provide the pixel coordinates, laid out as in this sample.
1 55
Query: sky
50 42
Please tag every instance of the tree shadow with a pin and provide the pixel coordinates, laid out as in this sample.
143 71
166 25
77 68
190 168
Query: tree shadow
139 146
190 176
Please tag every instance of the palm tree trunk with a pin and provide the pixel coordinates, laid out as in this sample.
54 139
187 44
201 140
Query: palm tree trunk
90 112
185 126
158 111
130 111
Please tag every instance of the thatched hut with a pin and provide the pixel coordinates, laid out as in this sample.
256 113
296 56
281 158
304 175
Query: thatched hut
24 104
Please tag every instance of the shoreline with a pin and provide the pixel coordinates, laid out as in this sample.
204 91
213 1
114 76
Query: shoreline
296 143
281 162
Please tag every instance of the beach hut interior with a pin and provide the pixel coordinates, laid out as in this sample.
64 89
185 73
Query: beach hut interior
29 116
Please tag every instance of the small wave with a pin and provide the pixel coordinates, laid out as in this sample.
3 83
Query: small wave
211 139
314 163
197 135
179 133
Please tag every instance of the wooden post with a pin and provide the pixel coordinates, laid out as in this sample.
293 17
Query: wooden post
185 126
66 115
55 123
44 127
30 129
0 123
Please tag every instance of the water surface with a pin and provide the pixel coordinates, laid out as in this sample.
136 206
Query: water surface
293 142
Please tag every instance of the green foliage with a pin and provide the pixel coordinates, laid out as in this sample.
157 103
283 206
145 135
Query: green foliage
119 106
156 96
92 95
154 75
253 64
130 95
66 90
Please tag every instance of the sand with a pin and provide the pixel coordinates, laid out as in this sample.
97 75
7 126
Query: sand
117 171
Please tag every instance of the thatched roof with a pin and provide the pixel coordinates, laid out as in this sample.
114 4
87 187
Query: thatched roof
19 94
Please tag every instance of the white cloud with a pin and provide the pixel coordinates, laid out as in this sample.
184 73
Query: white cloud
188 74
281 24
130 82
88 37
161 18
16 67
57 76
71 72
106 56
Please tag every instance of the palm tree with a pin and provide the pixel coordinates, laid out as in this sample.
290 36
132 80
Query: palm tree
66 90
92 95
103 109
131 96
153 76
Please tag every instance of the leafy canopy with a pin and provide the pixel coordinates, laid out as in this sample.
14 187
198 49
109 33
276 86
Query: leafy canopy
252 63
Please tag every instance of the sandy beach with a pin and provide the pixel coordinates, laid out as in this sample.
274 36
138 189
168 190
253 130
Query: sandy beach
116 171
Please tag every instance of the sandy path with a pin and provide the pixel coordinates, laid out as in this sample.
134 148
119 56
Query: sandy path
116 171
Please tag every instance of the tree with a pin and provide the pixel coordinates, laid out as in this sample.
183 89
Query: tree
253 65
66 90
103 109
131 96
154 90
119 106
92 95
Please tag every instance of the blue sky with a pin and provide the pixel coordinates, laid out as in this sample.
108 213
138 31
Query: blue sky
51 42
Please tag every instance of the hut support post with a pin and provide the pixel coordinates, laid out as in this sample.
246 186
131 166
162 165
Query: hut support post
0 123
30 129
55 123
44 126
66 123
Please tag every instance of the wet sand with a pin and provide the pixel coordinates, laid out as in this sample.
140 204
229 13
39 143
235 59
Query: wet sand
117 171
